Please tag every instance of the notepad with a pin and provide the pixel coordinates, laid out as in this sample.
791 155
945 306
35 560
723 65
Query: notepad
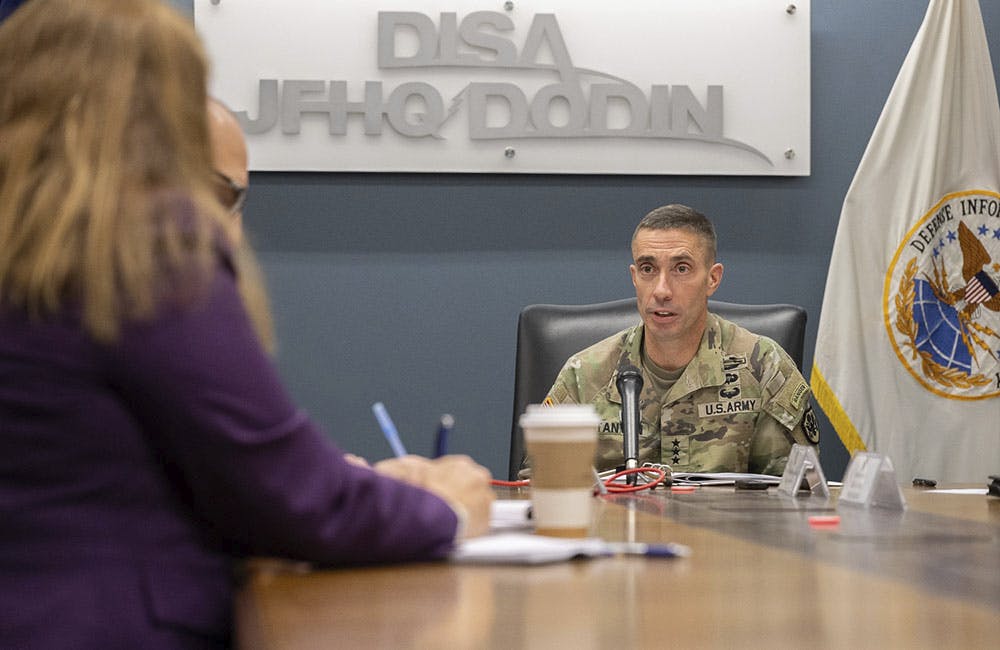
525 548
721 478
707 478
977 491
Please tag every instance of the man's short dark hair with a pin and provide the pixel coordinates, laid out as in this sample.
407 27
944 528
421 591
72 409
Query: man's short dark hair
681 217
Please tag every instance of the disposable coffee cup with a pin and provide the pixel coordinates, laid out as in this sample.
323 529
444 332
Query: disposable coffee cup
561 441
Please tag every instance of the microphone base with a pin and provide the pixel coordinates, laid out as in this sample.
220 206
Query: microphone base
631 479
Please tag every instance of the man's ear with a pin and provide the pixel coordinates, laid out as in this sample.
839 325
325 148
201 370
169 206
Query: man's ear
714 277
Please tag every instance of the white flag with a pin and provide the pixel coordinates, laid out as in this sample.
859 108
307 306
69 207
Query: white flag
906 360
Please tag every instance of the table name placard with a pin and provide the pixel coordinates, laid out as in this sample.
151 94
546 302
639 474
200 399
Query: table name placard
870 480
803 465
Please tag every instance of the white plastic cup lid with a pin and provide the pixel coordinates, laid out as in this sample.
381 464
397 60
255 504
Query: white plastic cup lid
559 415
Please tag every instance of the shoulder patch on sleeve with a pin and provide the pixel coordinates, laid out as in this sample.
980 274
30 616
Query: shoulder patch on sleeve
800 391
558 394
810 427
794 394
790 402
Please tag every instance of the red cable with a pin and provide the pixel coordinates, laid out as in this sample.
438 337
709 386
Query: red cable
608 483
621 489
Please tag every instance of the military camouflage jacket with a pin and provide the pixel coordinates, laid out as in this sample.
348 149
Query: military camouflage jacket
737 407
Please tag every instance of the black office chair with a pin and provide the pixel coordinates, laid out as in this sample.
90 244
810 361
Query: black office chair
547 335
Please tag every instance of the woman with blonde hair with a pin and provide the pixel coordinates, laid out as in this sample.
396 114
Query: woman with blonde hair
145 438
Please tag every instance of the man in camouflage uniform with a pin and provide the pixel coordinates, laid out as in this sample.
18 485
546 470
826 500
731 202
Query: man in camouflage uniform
715 397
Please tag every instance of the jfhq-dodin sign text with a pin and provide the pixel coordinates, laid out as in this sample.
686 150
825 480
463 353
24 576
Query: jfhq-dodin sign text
492 91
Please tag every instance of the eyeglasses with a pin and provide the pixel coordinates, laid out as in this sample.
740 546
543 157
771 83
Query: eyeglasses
230 194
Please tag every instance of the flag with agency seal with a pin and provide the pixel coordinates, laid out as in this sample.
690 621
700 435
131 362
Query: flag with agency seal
906 360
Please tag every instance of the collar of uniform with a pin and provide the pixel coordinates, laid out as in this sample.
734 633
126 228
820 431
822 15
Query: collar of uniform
704 369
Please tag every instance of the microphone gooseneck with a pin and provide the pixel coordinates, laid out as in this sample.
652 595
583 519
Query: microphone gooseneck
629 384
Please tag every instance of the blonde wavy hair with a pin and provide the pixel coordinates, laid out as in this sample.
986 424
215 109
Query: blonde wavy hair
102 128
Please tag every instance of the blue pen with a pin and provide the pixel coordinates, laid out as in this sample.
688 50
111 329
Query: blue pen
441 441
388 429
649 550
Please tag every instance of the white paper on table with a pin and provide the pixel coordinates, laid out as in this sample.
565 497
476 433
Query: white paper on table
525 548
979 491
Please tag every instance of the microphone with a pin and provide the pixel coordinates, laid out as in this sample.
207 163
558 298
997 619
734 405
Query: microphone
629 383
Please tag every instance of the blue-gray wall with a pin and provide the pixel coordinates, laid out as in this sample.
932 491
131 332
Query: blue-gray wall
405 288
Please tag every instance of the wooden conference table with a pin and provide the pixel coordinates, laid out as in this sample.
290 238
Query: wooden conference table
759 577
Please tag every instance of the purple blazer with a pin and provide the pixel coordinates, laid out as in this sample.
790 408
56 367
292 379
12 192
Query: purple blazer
7 7
132 475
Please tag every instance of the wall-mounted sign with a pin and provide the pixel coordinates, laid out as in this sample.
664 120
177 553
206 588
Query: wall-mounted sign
567 86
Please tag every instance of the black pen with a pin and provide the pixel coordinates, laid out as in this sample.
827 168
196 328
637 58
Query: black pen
444 428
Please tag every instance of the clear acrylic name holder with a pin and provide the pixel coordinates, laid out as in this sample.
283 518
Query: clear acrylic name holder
870 481
803 465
